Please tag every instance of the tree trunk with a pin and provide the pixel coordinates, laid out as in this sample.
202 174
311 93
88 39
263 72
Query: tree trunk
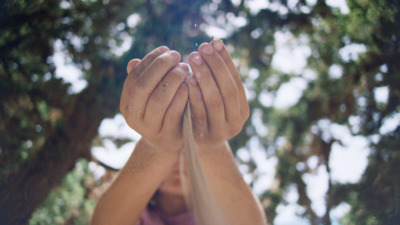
28 187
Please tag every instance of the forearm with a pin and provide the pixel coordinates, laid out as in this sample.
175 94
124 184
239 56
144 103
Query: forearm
129 194
233 195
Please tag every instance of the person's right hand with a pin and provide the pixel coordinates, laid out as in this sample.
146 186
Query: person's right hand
217 96
154 98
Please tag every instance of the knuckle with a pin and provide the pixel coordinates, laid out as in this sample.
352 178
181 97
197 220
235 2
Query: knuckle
246 112
236 129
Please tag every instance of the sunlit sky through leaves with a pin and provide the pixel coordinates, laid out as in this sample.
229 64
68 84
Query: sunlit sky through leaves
347 162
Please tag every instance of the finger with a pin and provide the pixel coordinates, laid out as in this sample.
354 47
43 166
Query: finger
147 60
131 65
223 52
197 108
151 76
157 69
126 104
211 94
224 79
174 116
163 94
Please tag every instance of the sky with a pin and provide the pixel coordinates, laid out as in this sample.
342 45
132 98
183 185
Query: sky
348 161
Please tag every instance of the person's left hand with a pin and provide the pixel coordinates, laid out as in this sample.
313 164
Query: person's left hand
154 98
217 97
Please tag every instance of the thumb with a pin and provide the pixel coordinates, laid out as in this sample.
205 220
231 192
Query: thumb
131 65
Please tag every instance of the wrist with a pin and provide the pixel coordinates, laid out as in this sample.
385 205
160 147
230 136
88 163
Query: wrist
146 155
159 149
205 148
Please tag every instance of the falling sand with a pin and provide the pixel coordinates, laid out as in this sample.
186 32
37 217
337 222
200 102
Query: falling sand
199 199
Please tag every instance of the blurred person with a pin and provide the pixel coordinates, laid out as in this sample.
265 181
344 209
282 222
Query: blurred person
149 190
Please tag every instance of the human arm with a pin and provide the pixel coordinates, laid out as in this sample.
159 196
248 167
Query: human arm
152 102
127 197
219 109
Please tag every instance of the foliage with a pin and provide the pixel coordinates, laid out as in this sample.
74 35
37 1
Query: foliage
373 25
35 101
68 201
45 125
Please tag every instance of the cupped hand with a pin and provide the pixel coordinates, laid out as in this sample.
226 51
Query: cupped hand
217 97
154 97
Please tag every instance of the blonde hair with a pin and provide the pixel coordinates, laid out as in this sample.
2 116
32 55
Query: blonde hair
199 199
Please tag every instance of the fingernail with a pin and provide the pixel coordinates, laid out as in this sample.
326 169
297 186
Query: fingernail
163 49
206 49
193 81
218 45
131 64
197 59
174 54
184 67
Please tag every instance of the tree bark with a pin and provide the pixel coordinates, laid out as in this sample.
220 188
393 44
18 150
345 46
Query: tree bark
28 187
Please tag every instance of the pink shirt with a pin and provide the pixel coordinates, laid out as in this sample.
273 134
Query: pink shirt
156 217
